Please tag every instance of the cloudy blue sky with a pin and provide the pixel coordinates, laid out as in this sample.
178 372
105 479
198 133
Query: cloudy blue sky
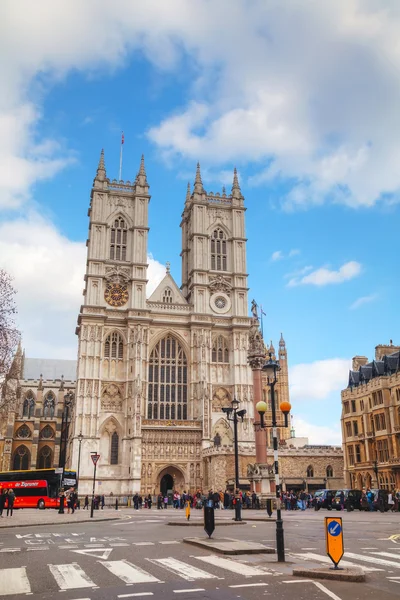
303 98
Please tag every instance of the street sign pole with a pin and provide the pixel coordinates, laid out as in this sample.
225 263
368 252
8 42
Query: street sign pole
95 457
334 539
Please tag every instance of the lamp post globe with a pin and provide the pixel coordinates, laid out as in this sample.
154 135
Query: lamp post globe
261 407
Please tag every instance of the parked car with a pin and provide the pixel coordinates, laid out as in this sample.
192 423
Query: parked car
352 499
323 499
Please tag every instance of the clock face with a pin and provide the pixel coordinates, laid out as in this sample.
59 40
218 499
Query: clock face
116 294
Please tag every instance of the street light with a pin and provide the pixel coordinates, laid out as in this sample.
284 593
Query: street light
375 468
233 414
95 457
271 367
68 398
80 438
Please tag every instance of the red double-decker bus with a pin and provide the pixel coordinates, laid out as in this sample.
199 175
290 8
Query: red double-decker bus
31 494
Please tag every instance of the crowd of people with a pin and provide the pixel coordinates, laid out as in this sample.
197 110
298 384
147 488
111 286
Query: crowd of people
7 499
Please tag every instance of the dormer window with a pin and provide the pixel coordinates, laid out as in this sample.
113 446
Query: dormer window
167 296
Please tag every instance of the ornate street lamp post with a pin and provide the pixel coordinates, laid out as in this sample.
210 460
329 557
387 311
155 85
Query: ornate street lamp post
233 414
79 438
68 398
271 367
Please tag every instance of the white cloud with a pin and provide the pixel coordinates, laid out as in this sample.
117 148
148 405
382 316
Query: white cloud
325 276
277 255
294 252
48 271
318 434
316 380
363 300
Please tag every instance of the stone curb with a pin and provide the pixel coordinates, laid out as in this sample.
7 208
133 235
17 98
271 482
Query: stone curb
355 574
222 546
261 519
201 524
43 524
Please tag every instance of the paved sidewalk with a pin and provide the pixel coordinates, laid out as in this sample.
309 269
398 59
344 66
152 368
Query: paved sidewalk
28 517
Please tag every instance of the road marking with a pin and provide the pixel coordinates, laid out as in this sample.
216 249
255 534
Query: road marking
10 550
70 576
119 545
325 589
14 581
246 585
103 553
182 569
325 559
230 565
167 542
188 590
143 544
388 554
128 572
309 548
369 548
372 559
137 595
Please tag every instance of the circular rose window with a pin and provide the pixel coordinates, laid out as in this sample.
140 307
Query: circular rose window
220 302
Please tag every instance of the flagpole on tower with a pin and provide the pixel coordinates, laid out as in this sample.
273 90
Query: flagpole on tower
261 314
120 156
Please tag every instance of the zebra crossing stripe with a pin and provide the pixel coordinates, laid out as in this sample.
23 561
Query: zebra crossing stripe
387 554
325 559
128 572
14 581
230 565
71 576
376 561
182 569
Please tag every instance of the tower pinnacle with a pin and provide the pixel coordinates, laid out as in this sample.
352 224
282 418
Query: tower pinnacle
101 168
141 177
198 184
188 192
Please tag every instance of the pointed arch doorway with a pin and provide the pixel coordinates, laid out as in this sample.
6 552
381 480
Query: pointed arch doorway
166 484
170 479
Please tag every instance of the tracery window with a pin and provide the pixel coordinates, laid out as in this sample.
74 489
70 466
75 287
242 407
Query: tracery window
119 234
167 296
218 250
220 352
167 396
23 432
28 408
46 433
329 471
49 405
21 459
310 471
44 458
114 346
114 448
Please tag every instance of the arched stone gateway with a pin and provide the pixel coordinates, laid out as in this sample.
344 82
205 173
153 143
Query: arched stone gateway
169 479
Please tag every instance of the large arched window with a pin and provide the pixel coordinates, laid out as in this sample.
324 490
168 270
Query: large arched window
310 471
114 346
114 449
44 458
118 240
329 471
220 352
218 250
167 398
49 404
28 408
21 459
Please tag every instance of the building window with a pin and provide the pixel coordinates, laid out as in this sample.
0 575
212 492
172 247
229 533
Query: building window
353 406
220 352
377 398
362 404
329 471
44 458
47 433
114 448
383 450
114 347
310 471
28 408
350 454
358 453
380 421
23 432
355 428
346 408
218 250
348 429
167 296
167 396
22 459
49 405
398 395
119 235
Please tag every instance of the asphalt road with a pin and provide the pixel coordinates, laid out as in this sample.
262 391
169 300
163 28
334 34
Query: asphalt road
140 556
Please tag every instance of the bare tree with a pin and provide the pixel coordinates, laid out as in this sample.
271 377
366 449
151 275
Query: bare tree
9 334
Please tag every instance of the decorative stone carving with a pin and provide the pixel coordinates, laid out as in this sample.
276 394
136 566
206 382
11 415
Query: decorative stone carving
256 353
220 284
117 274
111 399
220 399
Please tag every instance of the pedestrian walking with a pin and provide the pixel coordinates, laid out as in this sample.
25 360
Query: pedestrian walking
62 502
3 497
86 505
10 502
149 501
103 502
159 502
165 501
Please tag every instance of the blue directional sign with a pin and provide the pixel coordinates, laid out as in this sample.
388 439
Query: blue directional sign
334 528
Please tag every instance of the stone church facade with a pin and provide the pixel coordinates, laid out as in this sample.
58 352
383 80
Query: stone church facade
154 374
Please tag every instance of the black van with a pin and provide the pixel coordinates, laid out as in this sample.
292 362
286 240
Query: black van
352 499
323 499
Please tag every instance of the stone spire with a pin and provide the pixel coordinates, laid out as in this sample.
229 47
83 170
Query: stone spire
141 178
223 192
188 191
282 343
271 350
101 169
236 192
198 184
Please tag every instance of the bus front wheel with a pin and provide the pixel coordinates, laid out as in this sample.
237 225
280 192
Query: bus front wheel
41 505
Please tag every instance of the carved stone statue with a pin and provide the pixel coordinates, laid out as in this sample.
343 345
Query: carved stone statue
254 307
